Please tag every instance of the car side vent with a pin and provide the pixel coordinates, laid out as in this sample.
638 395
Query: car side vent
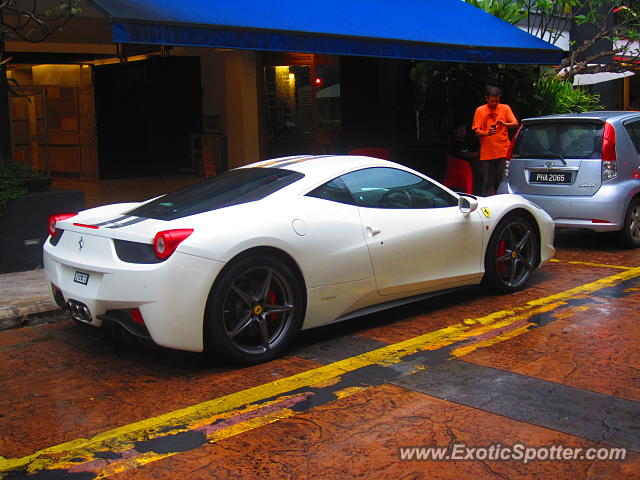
135 252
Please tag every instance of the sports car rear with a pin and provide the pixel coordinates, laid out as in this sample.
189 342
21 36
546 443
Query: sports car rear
112 274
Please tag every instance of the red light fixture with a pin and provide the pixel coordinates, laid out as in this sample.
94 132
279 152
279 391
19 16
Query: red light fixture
54 219
317 82
166 242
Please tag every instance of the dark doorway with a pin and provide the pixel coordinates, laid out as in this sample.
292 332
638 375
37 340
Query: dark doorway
379 109
378 102
145 112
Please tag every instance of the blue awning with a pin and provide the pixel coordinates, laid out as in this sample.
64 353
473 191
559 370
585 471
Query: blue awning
447 30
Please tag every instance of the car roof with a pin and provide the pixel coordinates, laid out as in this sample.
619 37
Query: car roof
323 165
601 115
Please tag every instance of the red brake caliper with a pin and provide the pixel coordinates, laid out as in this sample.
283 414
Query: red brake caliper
502 248
271 298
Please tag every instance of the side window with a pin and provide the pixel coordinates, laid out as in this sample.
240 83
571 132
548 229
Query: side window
633 129
383 187
334 190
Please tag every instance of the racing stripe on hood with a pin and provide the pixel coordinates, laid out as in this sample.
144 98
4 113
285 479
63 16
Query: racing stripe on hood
282 161
113 220
126 224
122 221
298 160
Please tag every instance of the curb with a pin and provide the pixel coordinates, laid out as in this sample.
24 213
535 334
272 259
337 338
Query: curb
38 313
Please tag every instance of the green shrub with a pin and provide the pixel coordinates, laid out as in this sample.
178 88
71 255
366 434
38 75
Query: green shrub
554 95
12 177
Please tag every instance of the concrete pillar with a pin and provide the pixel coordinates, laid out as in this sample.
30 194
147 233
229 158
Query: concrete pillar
242 126
213 84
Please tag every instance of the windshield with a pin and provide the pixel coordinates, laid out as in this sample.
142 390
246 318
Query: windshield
229 188
559 140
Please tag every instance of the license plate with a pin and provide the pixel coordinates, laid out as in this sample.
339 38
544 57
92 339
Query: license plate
81 277
550 177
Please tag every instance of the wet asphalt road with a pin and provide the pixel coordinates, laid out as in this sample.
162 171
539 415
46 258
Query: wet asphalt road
556 364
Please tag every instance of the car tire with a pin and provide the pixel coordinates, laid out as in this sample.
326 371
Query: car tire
511 255
630 235
254 311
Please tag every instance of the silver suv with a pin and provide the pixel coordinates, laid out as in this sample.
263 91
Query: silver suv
583 169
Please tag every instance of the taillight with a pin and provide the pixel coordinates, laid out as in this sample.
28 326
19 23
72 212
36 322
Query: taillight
166 242
54 219
507 162
609 164
510 150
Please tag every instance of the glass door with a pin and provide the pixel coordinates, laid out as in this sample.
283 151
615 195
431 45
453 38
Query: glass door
302 105
289 110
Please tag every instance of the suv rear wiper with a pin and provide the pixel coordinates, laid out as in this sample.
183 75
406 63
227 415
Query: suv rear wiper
553 155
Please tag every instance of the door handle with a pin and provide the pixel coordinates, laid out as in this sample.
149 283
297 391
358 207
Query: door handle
373 231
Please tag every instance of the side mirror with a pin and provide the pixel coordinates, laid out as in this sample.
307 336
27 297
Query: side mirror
467 205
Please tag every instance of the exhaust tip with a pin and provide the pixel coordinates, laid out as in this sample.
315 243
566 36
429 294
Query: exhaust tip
79 311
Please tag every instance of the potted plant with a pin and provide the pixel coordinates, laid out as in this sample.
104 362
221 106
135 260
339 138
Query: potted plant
16 179
25 205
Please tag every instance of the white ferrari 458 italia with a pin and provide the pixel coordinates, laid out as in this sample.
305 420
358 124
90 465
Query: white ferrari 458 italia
240 262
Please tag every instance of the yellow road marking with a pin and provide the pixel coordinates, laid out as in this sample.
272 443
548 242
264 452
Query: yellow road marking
589 264
123 438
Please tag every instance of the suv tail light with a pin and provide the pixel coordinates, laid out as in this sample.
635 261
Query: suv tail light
609 164
54 219
507 161
510 151
166 242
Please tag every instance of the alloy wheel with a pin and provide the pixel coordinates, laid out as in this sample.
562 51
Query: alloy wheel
257 310
515 254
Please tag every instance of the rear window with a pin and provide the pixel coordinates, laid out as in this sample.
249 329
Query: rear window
229 188
559 139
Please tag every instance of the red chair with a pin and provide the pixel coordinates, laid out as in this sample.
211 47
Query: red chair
374 152
459 176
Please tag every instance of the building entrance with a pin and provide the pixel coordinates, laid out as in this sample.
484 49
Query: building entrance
53 120
301 103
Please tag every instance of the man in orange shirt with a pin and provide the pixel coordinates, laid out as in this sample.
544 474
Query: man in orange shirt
491 124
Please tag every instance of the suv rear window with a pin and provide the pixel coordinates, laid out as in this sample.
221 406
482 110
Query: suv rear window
559 139
229 188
